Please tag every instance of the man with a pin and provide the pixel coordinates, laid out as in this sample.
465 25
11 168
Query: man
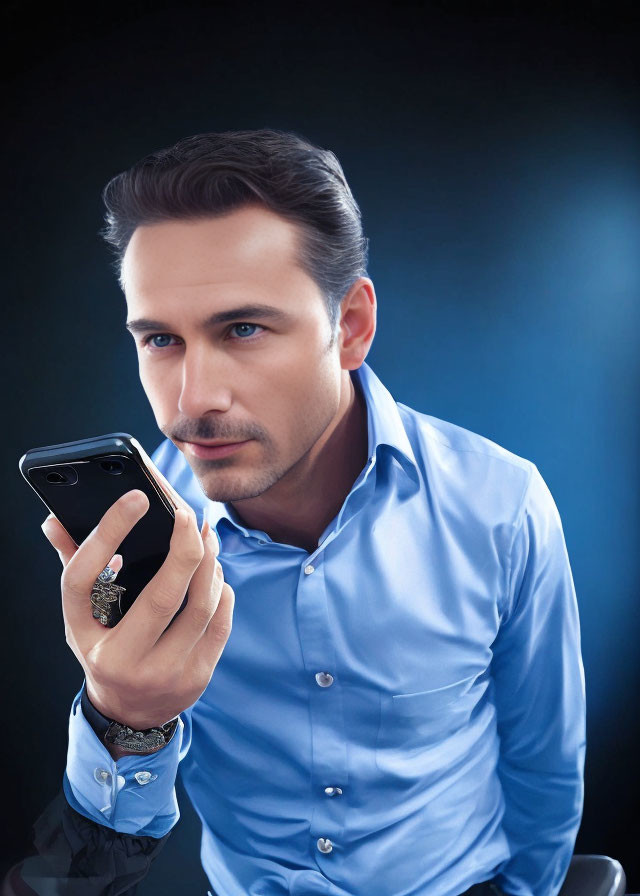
398 707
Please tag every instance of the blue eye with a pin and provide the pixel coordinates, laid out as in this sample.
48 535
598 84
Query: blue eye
244 324
150 340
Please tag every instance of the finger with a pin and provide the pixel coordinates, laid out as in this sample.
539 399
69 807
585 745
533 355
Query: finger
159 600
91 558
204 590
58 536
111 570
66 547
219 627
115 564
208 650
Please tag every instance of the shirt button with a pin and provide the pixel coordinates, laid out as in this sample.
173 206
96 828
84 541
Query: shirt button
333 791
324 845
324 679
102 776
144 777
309 569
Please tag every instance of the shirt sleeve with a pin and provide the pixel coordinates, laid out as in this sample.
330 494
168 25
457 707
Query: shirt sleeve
136 794
72 855
539 693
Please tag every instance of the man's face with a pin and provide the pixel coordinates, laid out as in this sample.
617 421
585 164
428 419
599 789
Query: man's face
269 380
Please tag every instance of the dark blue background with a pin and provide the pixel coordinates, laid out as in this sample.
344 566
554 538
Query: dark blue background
493 150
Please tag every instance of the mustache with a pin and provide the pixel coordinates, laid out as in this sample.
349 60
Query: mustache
203 431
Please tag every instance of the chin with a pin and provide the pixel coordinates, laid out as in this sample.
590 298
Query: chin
218 487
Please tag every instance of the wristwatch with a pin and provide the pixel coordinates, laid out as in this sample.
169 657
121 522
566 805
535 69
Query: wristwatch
112 732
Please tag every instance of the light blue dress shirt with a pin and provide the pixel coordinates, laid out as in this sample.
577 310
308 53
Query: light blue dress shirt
400 712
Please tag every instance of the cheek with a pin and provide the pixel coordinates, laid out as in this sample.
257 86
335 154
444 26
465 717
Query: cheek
304 404
158 387
147 379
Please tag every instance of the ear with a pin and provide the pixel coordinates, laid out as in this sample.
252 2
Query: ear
357 323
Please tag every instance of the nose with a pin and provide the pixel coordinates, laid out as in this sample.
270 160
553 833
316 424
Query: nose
203 383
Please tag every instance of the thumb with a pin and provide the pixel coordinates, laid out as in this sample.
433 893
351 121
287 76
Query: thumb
58 536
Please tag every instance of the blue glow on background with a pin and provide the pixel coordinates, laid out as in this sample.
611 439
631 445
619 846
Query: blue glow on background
522 324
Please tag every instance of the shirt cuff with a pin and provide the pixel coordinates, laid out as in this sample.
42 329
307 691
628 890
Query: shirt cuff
135 795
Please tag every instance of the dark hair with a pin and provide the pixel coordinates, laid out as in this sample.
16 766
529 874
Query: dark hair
210 174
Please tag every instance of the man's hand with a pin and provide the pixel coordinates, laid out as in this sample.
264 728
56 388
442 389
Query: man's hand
137 673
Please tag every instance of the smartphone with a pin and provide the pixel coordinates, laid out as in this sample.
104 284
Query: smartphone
78 482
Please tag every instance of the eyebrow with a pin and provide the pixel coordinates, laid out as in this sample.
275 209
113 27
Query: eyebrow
145 324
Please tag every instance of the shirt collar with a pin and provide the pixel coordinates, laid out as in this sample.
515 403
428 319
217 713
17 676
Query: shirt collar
384 427
384 423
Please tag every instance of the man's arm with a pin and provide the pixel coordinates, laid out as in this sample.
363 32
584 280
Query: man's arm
74 856
101 833
540 699
106 826
134 794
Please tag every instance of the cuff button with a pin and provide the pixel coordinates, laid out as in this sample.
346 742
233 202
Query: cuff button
144 777
102 776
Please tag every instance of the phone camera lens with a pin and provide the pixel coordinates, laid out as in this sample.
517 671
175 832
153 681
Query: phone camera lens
115 467
55 477
61 475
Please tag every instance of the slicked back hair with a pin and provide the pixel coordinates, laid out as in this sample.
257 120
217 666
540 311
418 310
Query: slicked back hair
208 175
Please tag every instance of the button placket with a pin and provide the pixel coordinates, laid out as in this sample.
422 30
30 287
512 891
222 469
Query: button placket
327 715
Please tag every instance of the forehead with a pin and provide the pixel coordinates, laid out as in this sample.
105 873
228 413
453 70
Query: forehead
245 247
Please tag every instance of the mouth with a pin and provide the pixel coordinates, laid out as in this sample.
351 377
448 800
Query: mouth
211 450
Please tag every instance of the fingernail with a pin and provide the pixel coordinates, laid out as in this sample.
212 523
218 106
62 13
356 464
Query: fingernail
46 525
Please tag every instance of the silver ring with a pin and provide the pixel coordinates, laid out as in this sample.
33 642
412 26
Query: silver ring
107 575
104 595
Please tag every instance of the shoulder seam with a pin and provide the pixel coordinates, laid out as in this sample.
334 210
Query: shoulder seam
516 525
434 433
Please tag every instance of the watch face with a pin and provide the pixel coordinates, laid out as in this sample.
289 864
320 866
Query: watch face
140 741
